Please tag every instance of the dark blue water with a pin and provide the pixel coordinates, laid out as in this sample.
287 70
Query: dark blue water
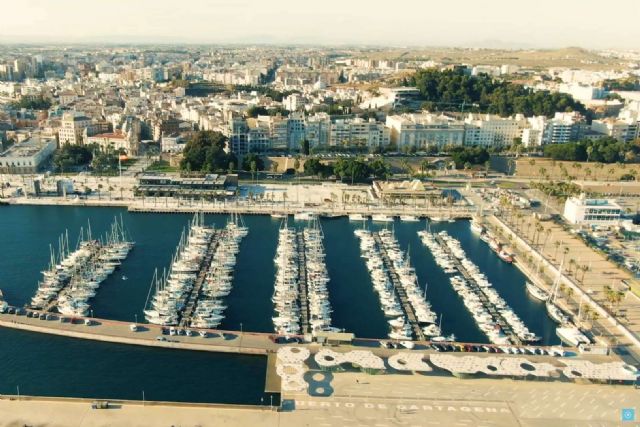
49 365
56 366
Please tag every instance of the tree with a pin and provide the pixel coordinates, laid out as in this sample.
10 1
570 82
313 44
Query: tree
257 110
71 156
205 151
471 155
316 168
451 89
252 162
32 103
304 147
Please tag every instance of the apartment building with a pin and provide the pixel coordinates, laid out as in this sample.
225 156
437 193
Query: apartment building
424 130
488 130
623 130
562 128
72 127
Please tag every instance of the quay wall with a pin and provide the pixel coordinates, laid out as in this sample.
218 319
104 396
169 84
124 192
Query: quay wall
151 403
119 339
567 281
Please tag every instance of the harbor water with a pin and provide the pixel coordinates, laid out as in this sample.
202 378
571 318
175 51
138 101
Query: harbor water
83 368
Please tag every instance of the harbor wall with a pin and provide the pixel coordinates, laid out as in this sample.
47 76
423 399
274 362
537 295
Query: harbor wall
566 280
119 339
150 403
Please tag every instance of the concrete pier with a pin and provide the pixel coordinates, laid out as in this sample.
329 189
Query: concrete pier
302 283
485 301
192 297
404 301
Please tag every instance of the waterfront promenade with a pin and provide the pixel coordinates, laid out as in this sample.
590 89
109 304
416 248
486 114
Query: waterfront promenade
544 271
172 205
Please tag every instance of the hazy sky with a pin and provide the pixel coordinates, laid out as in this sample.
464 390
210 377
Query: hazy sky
495 23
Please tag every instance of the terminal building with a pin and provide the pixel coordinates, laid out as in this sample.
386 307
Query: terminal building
210 186
27 156
580 210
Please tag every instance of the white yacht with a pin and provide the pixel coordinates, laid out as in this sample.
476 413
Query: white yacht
381 218
536 292
476 227
572 336
357 217
304 216
409 218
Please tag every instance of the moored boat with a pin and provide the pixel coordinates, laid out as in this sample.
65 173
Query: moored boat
382 218
572 336
537 293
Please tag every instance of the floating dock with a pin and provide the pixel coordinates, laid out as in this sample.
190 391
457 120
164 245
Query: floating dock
508 331
406 305
192 297
302 283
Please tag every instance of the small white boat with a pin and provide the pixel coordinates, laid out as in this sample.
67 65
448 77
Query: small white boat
357 217
409 218
436 219
572 336
476 227
536 292
278 215
381 218
304 216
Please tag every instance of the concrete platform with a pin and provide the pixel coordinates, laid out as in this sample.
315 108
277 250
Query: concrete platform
363 400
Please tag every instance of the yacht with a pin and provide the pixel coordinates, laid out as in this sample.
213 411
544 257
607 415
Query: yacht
572 336
556 314
277 215
409 218
357 217
381 218
505 256
304 216
537 293
476 227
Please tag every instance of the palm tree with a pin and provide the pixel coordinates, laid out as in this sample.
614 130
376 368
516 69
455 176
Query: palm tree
424 165
572 263
557 244
539 229
547 234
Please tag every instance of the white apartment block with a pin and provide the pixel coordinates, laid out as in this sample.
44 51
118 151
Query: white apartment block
72 126
424 130
562 128
623 130
487 130
359 132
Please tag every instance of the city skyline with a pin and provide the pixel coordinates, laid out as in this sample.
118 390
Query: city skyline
497 25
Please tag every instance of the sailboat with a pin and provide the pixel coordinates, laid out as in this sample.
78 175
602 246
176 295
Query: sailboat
537 293
554 311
